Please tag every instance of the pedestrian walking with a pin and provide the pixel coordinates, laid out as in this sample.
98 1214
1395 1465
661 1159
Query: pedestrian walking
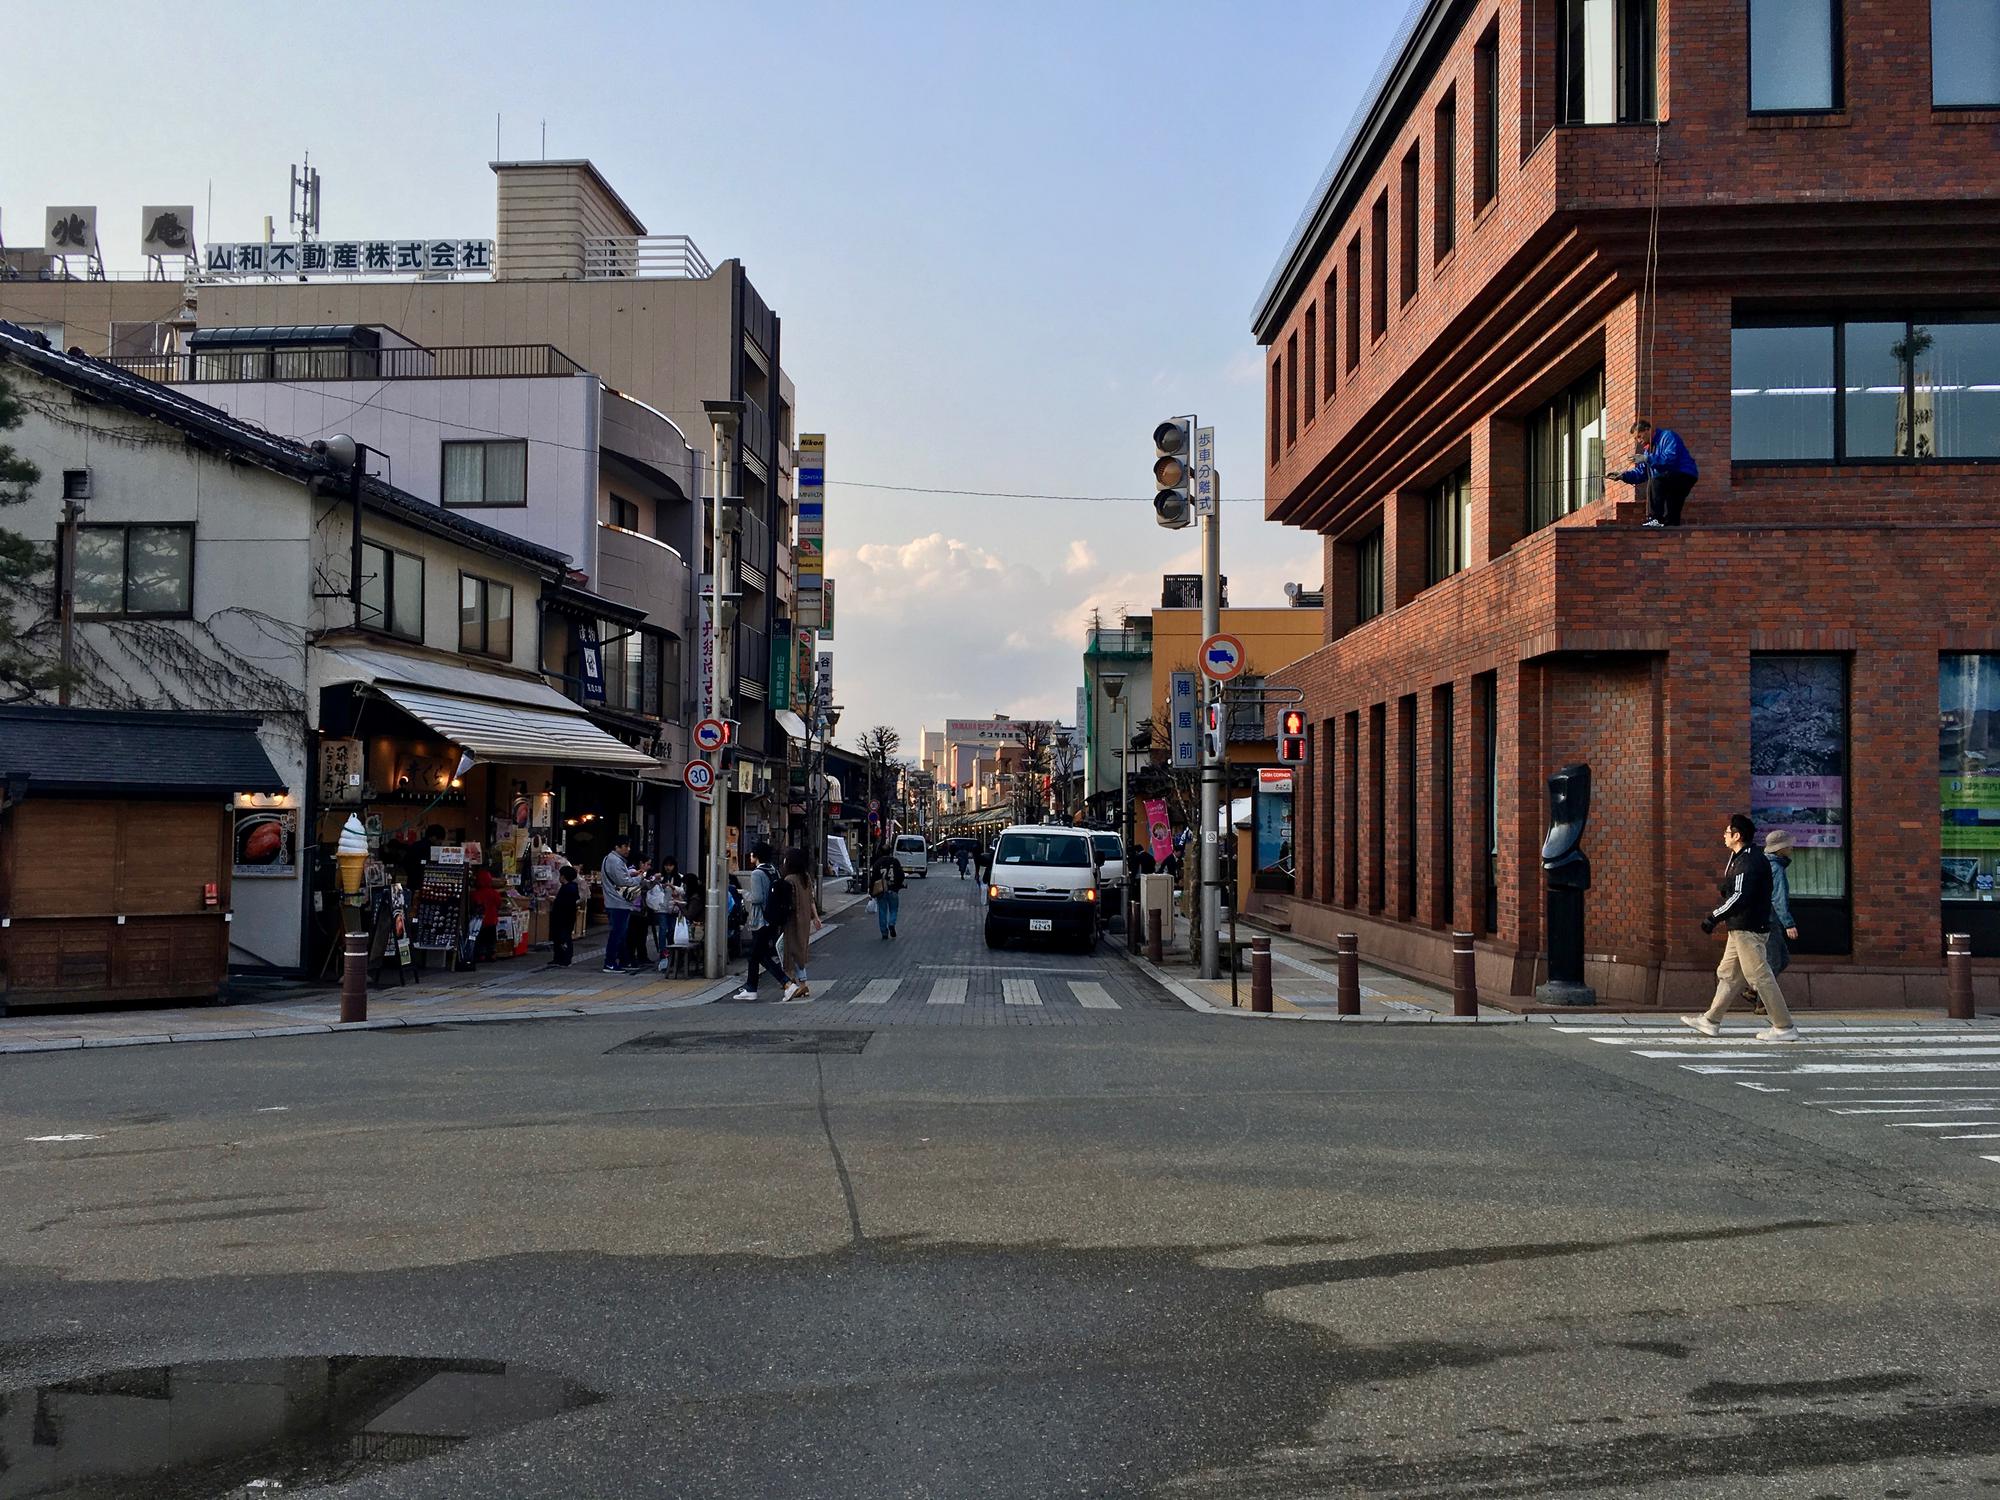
1661 464
801 925
621 899
1784 928
562 918
767 907
964 860
486 905
1746 958
885 884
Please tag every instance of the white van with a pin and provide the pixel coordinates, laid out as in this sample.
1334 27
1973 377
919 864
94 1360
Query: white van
913 854
1043 883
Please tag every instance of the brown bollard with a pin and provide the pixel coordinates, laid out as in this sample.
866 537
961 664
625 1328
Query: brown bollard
1464 984
1155 941
1260 973
1347 996
354 978
1958 975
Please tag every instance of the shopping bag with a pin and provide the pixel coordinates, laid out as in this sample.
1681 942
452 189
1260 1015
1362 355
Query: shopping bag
871 906
683 938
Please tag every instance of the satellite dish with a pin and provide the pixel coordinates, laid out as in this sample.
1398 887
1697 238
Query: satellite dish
1293 590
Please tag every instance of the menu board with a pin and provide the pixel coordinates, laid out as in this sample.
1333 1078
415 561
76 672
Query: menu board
440 907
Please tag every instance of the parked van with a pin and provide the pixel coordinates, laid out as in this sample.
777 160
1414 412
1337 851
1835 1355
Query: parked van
1042 882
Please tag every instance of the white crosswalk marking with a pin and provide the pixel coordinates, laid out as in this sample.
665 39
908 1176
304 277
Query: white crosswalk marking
1020 992
947 992
1092 996
876 992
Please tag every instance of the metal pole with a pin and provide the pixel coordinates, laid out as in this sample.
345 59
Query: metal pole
1260 973
1347 996
716 935
1212 766
1958 975
67 602
1464 980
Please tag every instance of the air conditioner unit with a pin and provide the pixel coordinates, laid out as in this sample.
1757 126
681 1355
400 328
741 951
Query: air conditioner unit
76 484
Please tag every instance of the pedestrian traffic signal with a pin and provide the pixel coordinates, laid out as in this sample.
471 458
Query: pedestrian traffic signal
1291 737
1173 442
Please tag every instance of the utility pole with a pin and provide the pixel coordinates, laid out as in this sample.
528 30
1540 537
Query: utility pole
1214 758
722 418
66 602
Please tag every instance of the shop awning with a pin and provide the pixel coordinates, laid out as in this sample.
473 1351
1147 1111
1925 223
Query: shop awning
791 723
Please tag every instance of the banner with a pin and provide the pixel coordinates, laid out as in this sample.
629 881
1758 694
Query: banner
1158 831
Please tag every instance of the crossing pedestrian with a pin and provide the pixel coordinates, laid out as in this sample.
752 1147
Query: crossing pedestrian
802 924
1746 959
885 884
767 907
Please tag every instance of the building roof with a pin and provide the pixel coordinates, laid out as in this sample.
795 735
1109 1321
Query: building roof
1382 109
215 428
586 164
293 334
154 755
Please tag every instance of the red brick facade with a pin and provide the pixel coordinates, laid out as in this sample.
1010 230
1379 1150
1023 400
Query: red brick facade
1593 639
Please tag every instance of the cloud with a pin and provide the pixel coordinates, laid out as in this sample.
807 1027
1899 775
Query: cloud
1245 367
1081 559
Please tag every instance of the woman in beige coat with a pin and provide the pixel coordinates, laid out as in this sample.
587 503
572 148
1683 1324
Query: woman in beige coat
802 924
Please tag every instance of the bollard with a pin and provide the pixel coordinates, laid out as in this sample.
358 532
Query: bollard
1155 942
1135 920
1260 973
1464 985
354 978
1958 975
1347 996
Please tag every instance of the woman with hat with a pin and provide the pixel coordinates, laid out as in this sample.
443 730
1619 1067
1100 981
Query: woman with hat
1778 850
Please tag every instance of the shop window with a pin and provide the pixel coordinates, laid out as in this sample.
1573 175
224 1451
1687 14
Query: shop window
392 591
1486 118
134 572
1354 302
1604 62
1412 182
1965 54
1368 577
1566 452
1969 794
1444 175
486 473
1794 56
1450 549
1274 846
1798 782
485 617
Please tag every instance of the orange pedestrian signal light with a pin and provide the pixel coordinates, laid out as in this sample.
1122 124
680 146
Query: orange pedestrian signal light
1292 724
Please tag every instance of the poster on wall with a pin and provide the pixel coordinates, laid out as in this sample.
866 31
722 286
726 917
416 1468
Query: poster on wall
1969 775
341 767
1273 849
1798 764
265 842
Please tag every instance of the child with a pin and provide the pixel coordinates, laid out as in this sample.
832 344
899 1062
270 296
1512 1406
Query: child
562 918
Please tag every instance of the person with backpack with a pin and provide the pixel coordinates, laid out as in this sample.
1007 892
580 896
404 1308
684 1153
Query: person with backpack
767 903
885 884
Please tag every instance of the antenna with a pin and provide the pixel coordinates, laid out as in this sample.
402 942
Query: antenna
545 140
303 212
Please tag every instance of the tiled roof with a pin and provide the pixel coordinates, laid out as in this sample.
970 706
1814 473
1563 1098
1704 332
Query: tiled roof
117 752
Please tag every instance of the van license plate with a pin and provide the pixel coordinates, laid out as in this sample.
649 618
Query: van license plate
1041 924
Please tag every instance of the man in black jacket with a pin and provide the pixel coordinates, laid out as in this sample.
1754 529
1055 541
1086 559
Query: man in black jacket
1746 960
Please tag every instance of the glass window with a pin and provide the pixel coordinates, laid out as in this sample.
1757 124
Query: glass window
1274 848
1354 302
1872 393
1566 452
1955 372
1965 53
1444 175
1407 222
1486 117
485 617
1781 393
134 570
1061 851
486 473
1310 349
1604 61
1451 525
1794 55
392 591
1798 764
624 513
1969 774
1378 268
1368 577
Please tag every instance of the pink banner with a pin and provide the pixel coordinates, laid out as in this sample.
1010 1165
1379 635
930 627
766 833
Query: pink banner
1157 829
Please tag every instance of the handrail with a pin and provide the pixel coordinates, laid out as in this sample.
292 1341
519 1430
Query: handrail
236 365
672 257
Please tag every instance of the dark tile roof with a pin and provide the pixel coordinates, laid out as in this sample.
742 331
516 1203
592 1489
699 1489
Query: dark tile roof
130 753
216 427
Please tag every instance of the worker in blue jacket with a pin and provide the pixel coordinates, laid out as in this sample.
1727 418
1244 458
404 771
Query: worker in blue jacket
1661 462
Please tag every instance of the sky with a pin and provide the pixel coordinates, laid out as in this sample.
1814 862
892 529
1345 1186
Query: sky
1005 241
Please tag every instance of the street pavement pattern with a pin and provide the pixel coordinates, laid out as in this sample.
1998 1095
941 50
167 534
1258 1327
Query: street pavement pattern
1940 1084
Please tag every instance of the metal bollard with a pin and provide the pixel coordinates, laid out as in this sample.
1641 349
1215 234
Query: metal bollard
1260 973
354 978
1347 997
1958 975
1155 940
1464 983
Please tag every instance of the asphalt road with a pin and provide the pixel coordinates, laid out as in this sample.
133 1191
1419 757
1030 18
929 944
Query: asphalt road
1152 1253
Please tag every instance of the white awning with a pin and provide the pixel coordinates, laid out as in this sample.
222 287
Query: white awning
791 723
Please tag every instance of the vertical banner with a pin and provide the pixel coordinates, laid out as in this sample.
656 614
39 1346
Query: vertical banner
826 612
1184 719
781 668
1158 833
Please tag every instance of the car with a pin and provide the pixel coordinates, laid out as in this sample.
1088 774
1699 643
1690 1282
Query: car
914 854
1042 881
1111 867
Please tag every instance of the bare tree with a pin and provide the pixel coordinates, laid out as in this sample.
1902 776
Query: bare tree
878 745
1034 761
1063 757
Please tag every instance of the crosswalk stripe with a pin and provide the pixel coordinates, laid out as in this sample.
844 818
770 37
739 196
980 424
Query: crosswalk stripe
947 992
1020 992
1927 1066
1969 1137
876 992
1914 1109
1768 1050
1934 1124
1806 1039
1092 996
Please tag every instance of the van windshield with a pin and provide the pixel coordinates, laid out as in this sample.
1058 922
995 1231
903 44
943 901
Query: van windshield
1064 851
1107 846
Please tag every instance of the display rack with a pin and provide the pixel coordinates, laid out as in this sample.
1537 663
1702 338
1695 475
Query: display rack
440 914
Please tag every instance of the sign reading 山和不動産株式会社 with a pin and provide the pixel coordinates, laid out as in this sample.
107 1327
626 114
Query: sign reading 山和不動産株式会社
289 258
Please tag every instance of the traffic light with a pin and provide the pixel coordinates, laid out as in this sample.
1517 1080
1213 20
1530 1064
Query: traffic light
1212 729
1173 444
1291 737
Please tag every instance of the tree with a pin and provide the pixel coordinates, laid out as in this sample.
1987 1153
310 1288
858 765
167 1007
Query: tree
1064 759
26 668
1033 762
879 746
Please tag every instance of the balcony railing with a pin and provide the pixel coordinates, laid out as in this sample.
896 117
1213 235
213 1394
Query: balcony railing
452 362
668 257
1119 642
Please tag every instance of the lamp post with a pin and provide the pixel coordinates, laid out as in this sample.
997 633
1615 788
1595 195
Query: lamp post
1113 684
722 419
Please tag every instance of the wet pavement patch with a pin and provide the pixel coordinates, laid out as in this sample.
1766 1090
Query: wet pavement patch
223 1429
778 1042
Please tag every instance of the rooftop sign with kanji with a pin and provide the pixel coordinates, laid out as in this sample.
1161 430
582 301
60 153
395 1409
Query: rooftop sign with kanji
290 259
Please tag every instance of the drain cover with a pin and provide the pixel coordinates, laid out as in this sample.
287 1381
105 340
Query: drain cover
747 1041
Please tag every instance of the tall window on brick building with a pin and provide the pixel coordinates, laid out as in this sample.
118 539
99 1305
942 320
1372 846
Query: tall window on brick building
1291 389
1277 404
1965 54
1350 809
1309 351
1368 576
1566 451
1378 268
1378 786
1795 56
1604 61
1444 735
1488 690
1330 301
1798 782
1406 734
1969 790
1450 548
1412 172
1444 175
1486 117
1354 302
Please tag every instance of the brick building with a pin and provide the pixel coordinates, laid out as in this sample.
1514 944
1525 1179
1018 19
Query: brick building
1773 225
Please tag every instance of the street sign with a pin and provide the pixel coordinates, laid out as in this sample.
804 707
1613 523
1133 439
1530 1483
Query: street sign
710 735
1222 658
700 777
874 804
1184 714
1204 471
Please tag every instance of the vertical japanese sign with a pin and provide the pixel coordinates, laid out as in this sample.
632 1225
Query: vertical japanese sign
810 458
708 704
1204 471
1184 719
826 612
823 687
591 655
781 667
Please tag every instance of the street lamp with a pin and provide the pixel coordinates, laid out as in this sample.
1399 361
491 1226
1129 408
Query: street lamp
1113 684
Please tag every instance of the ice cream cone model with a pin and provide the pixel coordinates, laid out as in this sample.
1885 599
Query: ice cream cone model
352 856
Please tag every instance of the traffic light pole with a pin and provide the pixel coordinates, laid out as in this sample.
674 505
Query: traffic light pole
1213 765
